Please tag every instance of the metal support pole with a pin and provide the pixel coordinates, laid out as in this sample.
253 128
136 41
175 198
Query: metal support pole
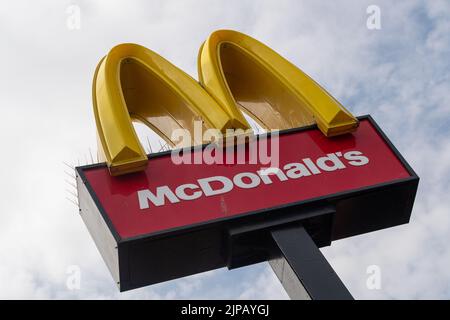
302 269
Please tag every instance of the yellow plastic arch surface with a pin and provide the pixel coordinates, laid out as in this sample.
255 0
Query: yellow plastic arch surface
132 83
238 70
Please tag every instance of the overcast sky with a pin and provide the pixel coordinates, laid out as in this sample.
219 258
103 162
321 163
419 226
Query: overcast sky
399 74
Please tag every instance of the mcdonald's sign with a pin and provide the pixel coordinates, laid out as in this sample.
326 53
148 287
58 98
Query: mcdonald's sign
159 217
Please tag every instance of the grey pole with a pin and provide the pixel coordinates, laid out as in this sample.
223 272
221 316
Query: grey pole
302 269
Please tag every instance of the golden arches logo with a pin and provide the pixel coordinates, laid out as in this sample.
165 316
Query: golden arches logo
236 74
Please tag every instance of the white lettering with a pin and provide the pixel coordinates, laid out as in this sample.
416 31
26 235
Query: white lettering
311 166
217 185
181 192
356 158
264 174
205 184
239 180
296 170
161 193
330 163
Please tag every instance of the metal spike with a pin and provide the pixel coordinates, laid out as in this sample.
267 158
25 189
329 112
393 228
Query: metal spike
166 146
92 158
70 175
68 165
70 183
161 146
74 202
72 193
149 145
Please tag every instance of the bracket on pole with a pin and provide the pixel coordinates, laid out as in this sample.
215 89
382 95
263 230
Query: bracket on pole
302 269
290 243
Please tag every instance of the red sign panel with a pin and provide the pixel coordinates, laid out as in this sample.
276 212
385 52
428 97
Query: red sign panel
311 166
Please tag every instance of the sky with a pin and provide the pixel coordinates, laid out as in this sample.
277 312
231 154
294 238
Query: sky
399 74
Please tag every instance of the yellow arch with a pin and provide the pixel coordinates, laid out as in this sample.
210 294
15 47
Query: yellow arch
134 83
238 70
